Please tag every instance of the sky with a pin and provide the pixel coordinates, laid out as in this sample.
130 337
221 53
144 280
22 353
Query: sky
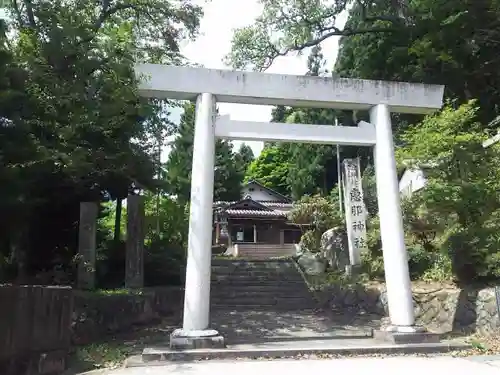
220 19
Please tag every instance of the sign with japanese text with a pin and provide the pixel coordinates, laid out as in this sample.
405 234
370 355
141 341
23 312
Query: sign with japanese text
355 210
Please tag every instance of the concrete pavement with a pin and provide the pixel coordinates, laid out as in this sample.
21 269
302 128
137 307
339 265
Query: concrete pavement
358 366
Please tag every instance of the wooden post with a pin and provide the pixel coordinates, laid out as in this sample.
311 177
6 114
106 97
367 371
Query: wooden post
255 233
134 258
87 245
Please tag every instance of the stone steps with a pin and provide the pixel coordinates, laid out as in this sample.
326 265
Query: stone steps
294 350
260 307
288 288
247 278
251 263
256 299
256 290
258 285
252 271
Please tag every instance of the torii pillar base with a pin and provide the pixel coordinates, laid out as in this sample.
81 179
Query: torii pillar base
205 339
406 335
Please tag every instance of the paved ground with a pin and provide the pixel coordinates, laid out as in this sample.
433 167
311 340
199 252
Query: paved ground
358 366
263 310
254 327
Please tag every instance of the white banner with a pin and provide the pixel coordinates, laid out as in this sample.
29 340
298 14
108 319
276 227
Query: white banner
355 210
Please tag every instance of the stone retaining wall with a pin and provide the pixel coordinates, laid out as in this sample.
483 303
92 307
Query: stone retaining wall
35 329
95 315
439 308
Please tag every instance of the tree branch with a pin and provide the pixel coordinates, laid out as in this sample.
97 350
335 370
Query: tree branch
106 11
314 42
326 32
29 10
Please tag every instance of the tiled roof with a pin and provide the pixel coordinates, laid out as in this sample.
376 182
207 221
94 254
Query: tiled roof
256 213
278 209
276 204
264 203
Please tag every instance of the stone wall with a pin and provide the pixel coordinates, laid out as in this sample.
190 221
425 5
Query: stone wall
35 328
95 315
440 308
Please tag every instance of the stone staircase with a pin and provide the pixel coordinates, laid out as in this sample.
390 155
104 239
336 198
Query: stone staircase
263 309
259 251
258 285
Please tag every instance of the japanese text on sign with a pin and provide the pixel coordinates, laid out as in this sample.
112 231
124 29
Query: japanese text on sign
355 209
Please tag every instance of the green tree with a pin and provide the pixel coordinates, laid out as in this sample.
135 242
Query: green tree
228 174
460 198
450 43
271 168
166 240
315 215
285 27
244 157
79 131
312 169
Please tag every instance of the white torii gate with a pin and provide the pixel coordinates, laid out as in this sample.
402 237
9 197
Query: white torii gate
208 86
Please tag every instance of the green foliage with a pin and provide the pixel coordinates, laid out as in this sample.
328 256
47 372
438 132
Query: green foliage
164 263
102 355
165 240
166 220
445 44
298 169
107 220
244 157
315 215
450 226
271 169
228 165
287 26
73 127
454 216
166 229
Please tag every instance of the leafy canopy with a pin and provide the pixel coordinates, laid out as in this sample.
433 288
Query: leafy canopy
286 26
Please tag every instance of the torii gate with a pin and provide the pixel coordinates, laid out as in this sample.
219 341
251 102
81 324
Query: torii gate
209 86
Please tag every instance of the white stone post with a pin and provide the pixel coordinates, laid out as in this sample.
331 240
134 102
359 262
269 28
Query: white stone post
397 276
195 332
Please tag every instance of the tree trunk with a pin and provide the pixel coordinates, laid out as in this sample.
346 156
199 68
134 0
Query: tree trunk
118 220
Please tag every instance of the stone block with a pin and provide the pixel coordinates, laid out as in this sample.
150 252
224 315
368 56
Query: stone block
417 337
203 339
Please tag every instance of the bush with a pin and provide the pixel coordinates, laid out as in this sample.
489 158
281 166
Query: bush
315 215
110 264
164 264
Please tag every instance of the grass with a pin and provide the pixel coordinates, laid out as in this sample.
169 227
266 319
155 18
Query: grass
115 349
103 355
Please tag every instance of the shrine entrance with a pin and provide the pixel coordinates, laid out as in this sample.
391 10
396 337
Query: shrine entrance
208 87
